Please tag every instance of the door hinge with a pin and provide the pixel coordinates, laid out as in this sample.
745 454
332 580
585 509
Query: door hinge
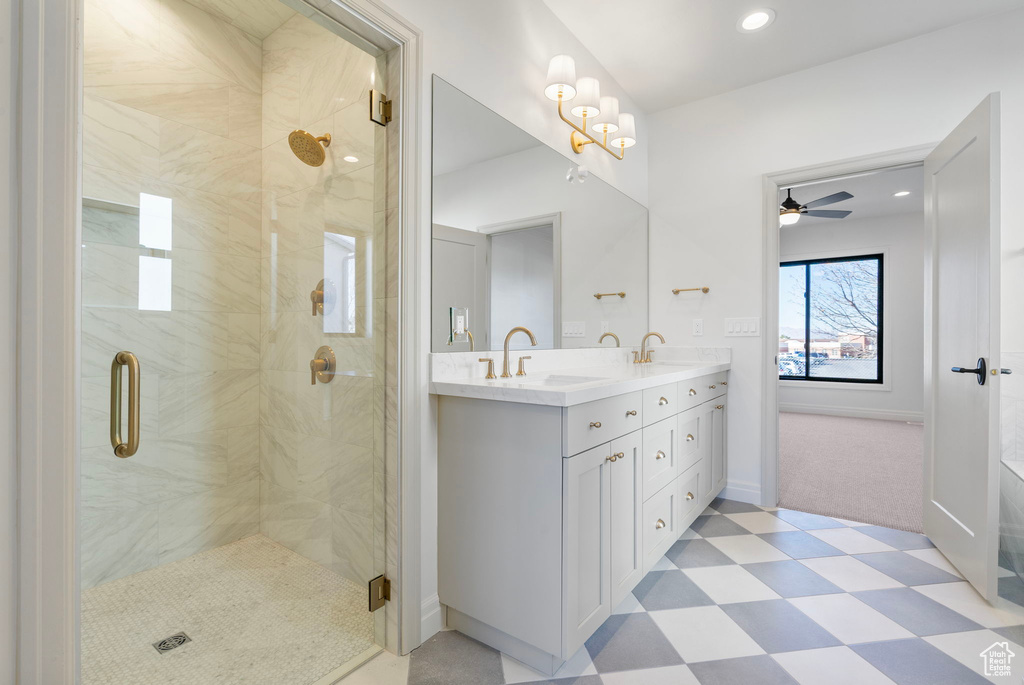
380 592
380 108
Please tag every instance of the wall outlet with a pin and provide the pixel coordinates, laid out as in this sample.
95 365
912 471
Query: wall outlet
698 326
574 329
743 327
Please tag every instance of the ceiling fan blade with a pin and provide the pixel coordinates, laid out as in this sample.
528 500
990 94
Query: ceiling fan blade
828 200
828 213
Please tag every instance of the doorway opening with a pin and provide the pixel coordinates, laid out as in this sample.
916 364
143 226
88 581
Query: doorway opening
850 347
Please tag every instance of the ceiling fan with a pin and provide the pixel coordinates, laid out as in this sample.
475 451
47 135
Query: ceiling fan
790 210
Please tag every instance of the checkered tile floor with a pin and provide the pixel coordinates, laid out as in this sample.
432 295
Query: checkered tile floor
772 597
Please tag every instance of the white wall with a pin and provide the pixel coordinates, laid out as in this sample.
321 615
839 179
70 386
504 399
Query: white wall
497 53
901 238
523 286
604 236
713 153
8 331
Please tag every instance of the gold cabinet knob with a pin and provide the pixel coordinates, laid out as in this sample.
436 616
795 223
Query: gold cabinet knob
631 412
659 524
595 424
712 387
692 392
663 401
689 496
719 406
659 455
616 456
725 382
689 437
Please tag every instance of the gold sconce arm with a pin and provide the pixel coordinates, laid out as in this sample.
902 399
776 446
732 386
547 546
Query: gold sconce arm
600 295
676 291
580 138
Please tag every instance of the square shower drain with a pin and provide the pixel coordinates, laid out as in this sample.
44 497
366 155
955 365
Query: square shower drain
172 642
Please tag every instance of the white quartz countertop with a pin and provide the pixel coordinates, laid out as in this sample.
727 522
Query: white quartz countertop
572 386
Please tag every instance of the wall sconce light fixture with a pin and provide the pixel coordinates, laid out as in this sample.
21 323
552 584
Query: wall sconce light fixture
617 130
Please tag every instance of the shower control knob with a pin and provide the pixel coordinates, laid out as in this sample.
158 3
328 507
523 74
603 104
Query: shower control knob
322 366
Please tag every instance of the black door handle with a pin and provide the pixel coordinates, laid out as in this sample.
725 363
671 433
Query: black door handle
981 370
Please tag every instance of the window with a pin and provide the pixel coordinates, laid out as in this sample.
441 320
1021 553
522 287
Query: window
830 320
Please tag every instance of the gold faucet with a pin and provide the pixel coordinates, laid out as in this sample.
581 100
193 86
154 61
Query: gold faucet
505 373
601 339
645 354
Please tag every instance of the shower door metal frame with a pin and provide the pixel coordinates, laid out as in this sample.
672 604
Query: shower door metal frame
40 458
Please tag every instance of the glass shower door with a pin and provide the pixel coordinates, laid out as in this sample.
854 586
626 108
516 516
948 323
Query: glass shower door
243 264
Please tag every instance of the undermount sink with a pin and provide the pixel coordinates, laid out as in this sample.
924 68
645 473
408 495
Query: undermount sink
566 380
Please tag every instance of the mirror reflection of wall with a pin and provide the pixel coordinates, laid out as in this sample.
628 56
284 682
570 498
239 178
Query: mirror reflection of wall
516 244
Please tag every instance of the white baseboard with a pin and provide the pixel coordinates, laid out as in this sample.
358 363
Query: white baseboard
742 492
853 412
431 618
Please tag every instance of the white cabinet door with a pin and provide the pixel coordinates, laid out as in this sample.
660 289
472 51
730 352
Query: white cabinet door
587 543
706 439
626 486
719 470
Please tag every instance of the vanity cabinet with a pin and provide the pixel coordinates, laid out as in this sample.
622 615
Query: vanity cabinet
548 517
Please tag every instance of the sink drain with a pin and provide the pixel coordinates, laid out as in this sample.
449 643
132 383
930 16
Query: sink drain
172 642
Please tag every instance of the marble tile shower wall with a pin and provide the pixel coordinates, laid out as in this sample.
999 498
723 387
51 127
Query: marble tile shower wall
173 98
321 448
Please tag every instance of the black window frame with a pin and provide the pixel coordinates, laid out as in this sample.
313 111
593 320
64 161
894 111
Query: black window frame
879 343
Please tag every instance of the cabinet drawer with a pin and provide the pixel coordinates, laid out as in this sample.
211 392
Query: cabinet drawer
689 495
716 384
690 433
660 464
587 425
691 393
660 403
660 525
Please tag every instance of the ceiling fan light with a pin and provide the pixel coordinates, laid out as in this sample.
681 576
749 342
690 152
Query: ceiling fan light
788 217
561 78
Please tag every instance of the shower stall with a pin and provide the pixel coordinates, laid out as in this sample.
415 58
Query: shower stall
238 337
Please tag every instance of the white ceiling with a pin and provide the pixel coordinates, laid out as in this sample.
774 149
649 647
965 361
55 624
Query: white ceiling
872 195
669 52
466 132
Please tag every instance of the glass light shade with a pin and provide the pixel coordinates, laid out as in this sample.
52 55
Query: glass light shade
588 98
788 217
561 78
627 131
608 120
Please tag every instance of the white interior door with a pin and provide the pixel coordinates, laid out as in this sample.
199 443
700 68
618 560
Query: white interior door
459 261
961 486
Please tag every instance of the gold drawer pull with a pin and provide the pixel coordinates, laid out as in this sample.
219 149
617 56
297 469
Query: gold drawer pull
631 412
595 424
689 437
725 382
659 525
719 406
692 392
689 496
121 448
662 402
712 387
659 455
616 456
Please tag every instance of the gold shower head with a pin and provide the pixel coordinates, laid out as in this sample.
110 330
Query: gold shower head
308 148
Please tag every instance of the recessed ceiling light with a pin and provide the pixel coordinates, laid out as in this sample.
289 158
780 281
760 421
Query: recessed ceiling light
902 193
350 158
756 20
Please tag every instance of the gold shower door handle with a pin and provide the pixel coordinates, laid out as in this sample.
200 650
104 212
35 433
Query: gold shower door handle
125 358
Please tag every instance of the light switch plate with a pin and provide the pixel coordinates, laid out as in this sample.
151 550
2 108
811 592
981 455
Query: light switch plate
574 329
698 326
743 327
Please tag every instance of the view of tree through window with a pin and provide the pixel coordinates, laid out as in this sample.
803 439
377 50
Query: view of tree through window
830 319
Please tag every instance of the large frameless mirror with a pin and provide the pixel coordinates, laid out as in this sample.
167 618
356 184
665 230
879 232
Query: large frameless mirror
523 236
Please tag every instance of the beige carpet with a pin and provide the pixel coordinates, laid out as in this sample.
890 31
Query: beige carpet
858 469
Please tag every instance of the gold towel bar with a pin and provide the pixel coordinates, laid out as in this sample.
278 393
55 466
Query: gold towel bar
600 295
676 291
